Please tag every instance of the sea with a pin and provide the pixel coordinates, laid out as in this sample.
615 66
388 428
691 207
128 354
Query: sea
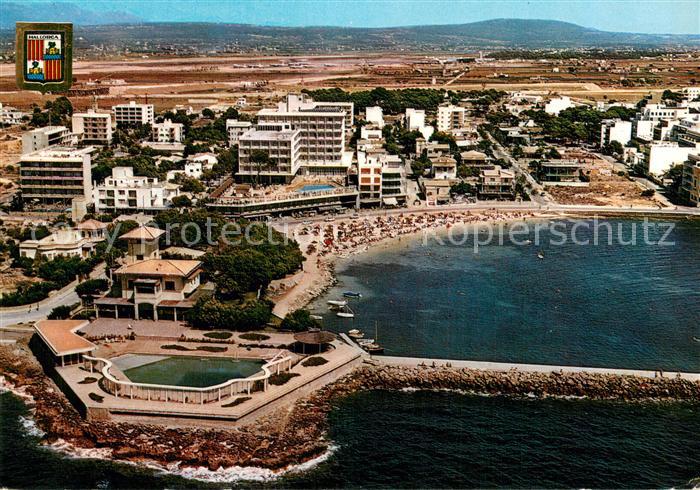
528 299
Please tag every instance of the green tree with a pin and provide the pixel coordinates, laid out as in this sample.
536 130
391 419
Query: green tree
299 321
261 161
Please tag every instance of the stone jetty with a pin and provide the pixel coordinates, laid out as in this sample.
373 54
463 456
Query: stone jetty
291 436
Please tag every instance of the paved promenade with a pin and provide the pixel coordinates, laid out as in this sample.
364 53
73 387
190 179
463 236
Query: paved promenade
538 368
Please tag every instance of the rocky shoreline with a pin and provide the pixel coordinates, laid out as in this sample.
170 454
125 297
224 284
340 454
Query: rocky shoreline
292 436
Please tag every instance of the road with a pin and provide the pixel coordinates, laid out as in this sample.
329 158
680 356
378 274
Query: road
67 296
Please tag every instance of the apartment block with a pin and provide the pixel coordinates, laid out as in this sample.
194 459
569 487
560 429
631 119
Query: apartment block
451 117
93 127
496 183
690 188
45 137
167 132
125 192
375 115
664 155
381 179
56 175
235 128
282 145
615 130
133 114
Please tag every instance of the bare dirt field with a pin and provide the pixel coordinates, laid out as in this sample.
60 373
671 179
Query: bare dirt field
169 81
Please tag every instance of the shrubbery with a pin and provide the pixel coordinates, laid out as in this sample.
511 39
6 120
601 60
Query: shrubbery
299 321
211 313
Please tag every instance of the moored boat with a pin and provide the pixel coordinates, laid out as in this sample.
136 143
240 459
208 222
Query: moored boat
339 303
355 334
345 312
352 294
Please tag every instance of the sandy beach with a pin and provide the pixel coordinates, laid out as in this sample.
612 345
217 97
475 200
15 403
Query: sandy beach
324 243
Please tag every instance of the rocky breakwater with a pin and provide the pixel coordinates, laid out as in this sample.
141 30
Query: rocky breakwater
519 383
283 438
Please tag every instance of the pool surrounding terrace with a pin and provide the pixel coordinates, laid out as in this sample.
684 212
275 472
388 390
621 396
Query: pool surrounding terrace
194 371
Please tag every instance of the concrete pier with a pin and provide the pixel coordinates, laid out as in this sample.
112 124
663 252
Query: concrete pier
532 368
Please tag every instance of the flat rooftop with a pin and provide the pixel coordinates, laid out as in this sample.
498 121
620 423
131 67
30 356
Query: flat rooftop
61 338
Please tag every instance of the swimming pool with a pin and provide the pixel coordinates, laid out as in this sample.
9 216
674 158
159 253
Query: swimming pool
197 372
315 188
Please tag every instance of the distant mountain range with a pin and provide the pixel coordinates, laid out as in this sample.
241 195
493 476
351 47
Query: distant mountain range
60 12
124 29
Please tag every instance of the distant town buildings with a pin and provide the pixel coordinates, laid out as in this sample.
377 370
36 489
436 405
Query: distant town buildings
133 114
56 175
10 116
93 127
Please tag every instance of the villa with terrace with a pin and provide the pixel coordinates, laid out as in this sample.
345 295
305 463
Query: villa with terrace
147 286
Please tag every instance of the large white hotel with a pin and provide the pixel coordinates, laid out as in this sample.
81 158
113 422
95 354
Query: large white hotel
321 128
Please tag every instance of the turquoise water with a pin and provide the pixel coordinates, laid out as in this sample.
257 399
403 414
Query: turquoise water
197 372
315 188
597 305
426 439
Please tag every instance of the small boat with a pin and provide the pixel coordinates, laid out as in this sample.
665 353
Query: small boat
362 342
696 339
345 312
540 255
373 348
355 334
339 303
352 294
316 317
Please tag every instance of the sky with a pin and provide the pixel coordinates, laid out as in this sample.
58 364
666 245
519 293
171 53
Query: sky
643 16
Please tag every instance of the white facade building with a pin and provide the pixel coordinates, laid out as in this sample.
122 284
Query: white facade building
415 119
45 137
93 127
235 128
133 114
283 147
558 104
167 132
10 115
662 156
615 130
451 117
56 175
375 115
322 132
125 192
691 92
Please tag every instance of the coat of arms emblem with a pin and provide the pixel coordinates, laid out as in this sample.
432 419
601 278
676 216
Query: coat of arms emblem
44 56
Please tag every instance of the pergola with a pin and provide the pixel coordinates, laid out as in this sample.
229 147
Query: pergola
314 337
